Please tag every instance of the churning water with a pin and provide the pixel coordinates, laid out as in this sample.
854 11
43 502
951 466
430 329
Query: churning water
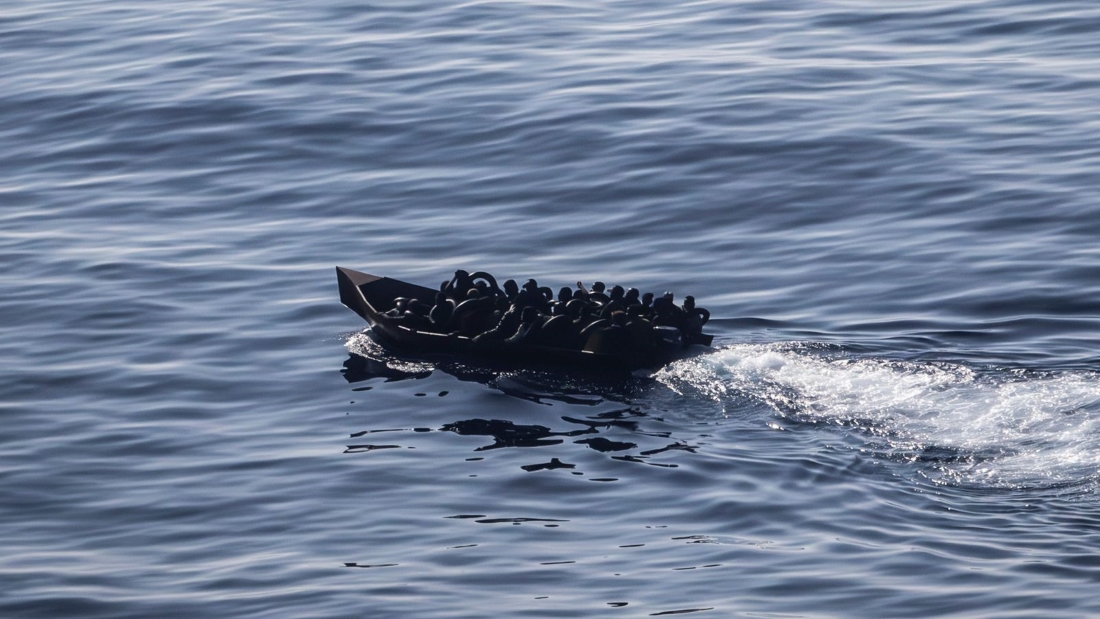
1015 429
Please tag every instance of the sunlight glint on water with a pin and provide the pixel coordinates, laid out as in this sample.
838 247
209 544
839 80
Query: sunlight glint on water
1013 429
189 431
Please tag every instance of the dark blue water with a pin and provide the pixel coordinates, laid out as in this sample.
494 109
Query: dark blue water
891 209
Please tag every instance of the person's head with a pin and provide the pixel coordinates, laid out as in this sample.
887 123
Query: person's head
574 308
647 299
417 307
531 285
617 292
689 302
511 288
631 295
565 294
401 304
618 317
598 287
473 293
440 298
634 311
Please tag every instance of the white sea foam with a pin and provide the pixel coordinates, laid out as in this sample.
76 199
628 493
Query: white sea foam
998 428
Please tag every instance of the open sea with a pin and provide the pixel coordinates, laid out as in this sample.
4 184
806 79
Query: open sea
892 210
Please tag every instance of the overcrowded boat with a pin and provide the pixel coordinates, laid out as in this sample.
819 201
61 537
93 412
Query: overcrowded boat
470 315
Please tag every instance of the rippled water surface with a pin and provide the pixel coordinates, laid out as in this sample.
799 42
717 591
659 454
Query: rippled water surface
891 210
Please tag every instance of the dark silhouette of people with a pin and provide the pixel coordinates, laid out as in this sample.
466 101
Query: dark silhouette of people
668 314
511 289
400 304
565 295
441 313
615 302
639 329
597 294
557 332
614 322
473 316
694 319
528 327
531 296
459 285
631 296
415 316
505 328
486 284
611 337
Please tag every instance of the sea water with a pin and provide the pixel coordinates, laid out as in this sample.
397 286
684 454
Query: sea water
892 211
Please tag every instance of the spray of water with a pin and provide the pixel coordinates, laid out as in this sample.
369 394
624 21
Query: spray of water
995 428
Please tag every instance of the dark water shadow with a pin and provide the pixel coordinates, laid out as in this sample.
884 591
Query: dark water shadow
625 433
358 368
537 385
631 441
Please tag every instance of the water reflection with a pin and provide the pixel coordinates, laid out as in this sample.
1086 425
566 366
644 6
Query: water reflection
505 433
369 361
600 415
606 445
358 368
554 463
509 434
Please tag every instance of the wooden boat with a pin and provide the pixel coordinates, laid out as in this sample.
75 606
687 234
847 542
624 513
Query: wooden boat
371 296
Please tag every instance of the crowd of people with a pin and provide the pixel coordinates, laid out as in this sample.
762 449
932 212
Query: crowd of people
597 319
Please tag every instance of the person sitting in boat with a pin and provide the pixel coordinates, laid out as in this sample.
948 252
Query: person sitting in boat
441 313
582 296
486 284
668 314
647 301
694 319
631 297
528 327
557 332
640 330
505 328
597 293
483 289
591 329
459 285
414 316
610 337
577 315
565 295
400 304
548 296
474 315
409 313
580 313
511 289
531 296
615 302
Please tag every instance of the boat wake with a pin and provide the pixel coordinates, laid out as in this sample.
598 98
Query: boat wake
995 428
